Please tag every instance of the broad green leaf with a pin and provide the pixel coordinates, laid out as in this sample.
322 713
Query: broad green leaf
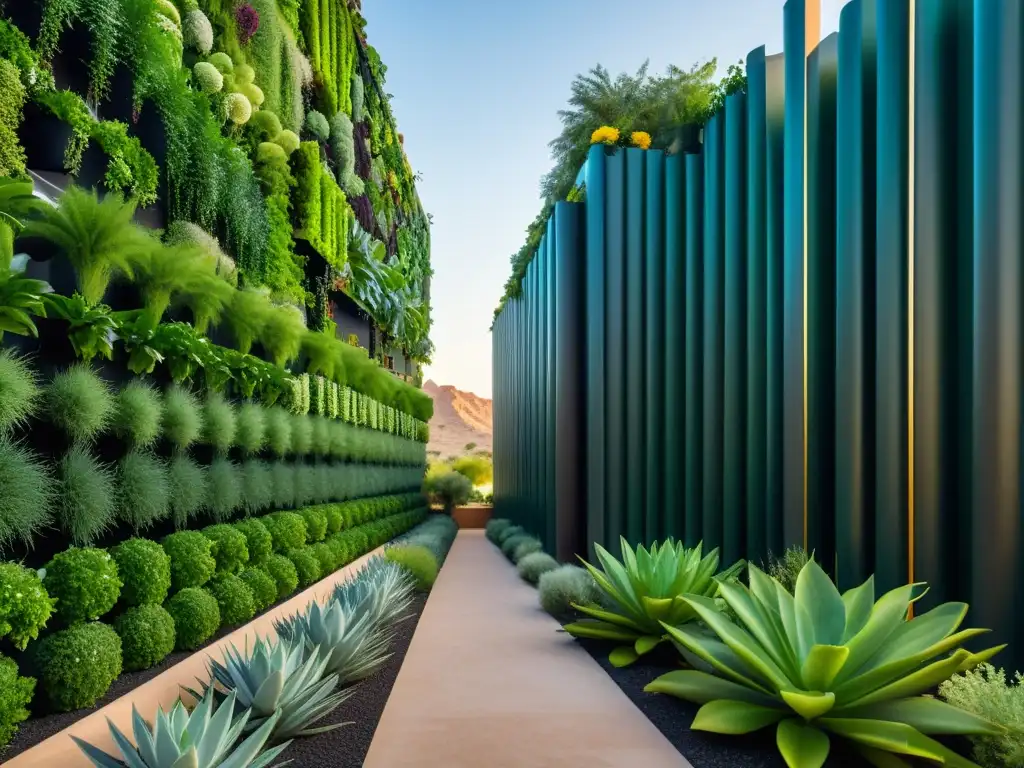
763 624
608 616
701 688
886 617
623 656
822 606
647 643
859 602
720 656
599 630
918 682
882 759
735 717
809 704
921 633
822 665
98 757
981 657
891 737
801 745
928 715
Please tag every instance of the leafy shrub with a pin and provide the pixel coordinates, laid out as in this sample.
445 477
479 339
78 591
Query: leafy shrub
477 469
143 492
436 534
418 560
251 427
257 486
785 569
79 402
282 571
76 666
527 547
258 540
262 586
26 493
984 692
512 530
230 547
192 560
287 529
327 557
145 570
25 605
278 424
334 519
495 527
147 636
138 414
559 589
223 489
449 489
508 546
316 523
219 423
307 566
19 392
15 696
234 598
186 482
183 419
196 615
86 503
85 583
532 566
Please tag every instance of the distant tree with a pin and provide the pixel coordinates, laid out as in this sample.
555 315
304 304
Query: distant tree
449 489
477 469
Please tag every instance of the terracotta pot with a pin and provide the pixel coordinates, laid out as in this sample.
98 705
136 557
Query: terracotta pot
472 517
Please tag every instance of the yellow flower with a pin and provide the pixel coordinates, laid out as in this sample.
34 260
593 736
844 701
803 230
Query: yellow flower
605 135
641 139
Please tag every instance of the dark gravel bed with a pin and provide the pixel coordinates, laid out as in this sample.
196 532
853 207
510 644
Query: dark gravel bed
673 716
347 747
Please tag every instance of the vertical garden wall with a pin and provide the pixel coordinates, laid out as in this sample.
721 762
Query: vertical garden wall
805 332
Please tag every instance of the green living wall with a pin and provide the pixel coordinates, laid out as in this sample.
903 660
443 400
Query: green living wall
806 331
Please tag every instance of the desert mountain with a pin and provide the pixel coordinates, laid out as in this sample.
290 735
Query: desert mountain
460 418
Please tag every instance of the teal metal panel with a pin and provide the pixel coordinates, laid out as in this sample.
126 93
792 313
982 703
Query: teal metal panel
636 421
694 414
734 347
654 344
714 330
615 345
775 96
550 484
793 427
995 537
855 291
943 232
891 435
821 299
756 443
674 298
594 307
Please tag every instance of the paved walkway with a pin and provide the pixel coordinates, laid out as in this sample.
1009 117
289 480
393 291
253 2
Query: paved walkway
489 683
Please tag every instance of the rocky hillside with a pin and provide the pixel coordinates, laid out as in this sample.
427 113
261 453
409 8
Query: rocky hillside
460 418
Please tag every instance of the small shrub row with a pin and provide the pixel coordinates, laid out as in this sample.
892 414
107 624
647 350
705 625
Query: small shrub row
423 550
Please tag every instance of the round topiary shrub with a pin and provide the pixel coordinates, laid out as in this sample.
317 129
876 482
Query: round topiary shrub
230 547
307 566
237 108
192 561
339 545
262 586
223 63
251 91
525 548
76 666
258 540
508 546
244 74
326 556
532 566
496 526
145 570
512 530
147 636
335 520
266 124
25 605
208 77
196 617
85 583
418 560
269 152
282 571
287 529
565 585
288 140
234 598
15 697
316 523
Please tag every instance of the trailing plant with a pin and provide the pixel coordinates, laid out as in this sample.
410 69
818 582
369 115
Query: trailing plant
819 662
25 605
86 502
246 316
196 617
64 681
147 636
282 333
26 494
145 570
647 591
85 583
192 560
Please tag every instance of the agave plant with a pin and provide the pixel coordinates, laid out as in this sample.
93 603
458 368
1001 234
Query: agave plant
818 662
354 646
203 739
384 589
277 678
645 591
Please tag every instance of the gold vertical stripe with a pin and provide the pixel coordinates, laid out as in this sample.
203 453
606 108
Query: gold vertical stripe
911 53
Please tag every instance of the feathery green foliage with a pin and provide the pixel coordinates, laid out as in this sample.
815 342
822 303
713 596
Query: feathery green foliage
246 316
86 501
223 489
282 333
183 419
79 402
26 493
251 427
985 692
186 482
418 560
257 486
302 434
169 271
785 569
278 426
219 423
19 391
531 567
138 414
565 587
283 475
143 491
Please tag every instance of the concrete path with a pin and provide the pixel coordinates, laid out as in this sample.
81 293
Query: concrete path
489 682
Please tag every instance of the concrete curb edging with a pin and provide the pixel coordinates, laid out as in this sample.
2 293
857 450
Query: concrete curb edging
164 689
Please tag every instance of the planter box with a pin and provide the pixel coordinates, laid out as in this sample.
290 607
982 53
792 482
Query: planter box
472 516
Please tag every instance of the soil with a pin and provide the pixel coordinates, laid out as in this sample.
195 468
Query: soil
347 747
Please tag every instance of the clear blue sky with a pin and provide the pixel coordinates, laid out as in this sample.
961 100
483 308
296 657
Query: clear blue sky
477 87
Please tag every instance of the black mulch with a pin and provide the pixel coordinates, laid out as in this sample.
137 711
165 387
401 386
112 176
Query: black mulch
347 747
